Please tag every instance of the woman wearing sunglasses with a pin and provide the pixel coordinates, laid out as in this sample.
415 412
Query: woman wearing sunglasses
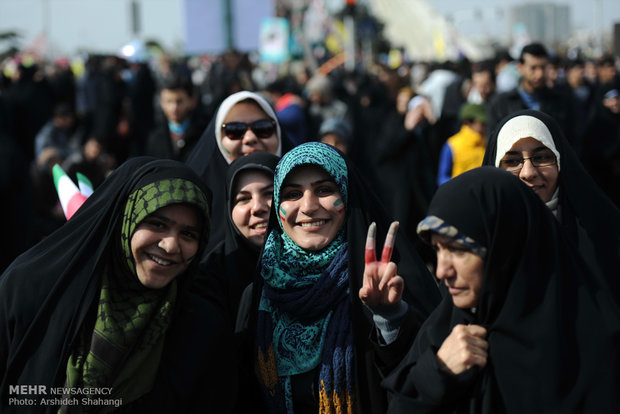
530 145
244 123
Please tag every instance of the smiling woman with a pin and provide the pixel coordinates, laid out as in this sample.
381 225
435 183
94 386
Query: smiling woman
320 285
531 145
112 290
229 267
244 123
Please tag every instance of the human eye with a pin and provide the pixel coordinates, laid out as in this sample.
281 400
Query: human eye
291 194
544 158
511 162
457 249
154 223
242 198
325 190
191 234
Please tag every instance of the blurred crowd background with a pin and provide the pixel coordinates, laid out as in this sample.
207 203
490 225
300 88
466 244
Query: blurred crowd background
336 71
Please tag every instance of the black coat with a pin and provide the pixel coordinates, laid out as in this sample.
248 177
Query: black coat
160 145
552 329
372 361
551 102
48 294
591 221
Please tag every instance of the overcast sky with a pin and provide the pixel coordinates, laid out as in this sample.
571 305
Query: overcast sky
585 14
105 24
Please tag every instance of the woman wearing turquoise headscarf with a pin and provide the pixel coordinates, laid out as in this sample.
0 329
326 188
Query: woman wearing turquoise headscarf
328 317
102 307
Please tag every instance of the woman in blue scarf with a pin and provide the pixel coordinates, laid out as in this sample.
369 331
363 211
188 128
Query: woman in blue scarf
321 291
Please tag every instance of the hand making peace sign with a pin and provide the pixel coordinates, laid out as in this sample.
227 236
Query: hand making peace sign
382 286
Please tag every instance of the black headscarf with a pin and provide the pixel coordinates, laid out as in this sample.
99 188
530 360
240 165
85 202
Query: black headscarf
209 163
231 264
553 331
590 219
47 292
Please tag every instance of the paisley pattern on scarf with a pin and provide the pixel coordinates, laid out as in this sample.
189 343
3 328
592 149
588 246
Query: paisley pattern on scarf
304 318
432 223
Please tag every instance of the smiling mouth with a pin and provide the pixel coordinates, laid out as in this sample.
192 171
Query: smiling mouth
259 226
315 223
160 261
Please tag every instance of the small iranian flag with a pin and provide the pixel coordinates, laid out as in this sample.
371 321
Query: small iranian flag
86 187
69 194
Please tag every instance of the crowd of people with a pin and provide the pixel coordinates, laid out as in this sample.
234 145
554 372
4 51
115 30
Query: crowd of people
428 238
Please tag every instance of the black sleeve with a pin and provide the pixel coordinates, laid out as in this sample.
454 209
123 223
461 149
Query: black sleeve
423 387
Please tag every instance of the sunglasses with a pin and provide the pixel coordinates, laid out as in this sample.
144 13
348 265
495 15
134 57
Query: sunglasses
263 128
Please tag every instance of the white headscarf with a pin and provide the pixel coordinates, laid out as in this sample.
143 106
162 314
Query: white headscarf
231 101
523 126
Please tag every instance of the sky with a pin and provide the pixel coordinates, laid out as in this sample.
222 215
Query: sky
105 25
592 15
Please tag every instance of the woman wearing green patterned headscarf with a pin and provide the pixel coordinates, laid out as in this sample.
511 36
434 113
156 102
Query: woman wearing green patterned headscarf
322 293
108 314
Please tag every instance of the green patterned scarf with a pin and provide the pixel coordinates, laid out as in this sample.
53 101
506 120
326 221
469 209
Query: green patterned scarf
128 336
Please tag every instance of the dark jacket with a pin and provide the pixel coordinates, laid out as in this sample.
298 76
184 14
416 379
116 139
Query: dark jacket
371 361
49 294
159 143
551 102
552 327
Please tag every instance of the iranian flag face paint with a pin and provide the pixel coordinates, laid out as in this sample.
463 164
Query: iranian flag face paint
68 193
282 213
339 206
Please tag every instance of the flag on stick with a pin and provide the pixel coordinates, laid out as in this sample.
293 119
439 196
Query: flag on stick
69 194
86 187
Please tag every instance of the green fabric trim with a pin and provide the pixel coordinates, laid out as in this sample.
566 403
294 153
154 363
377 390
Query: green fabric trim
128 337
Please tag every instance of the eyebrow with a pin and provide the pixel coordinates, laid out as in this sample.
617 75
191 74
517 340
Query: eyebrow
537 149
315 183
267 187
169 221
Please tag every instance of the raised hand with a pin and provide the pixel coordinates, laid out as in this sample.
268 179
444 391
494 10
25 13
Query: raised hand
463 349
382 286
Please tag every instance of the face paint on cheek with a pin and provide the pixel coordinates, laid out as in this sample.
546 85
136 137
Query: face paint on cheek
339 206
282 214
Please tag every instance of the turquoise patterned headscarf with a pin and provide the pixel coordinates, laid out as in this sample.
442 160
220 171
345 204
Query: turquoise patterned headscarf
314 153
304 312
297 260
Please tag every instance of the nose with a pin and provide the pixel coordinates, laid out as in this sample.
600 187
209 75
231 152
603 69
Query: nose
528 171
249 137
309 203
445 269
260 205
169 244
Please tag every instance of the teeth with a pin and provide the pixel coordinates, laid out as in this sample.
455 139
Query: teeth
260 226
160 261
313 224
